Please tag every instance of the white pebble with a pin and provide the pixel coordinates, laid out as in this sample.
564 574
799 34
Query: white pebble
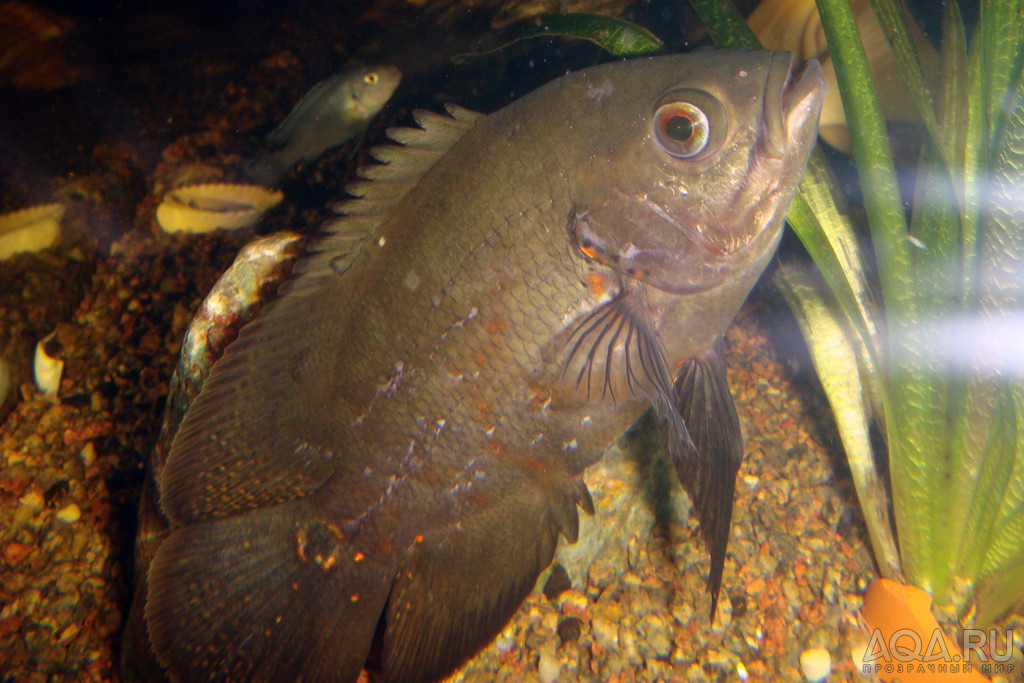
69 514
816 664
505 641
548 666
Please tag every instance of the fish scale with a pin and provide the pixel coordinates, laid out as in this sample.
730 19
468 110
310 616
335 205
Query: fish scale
381 464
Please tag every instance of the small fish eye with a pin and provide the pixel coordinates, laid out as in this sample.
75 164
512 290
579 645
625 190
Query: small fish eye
681 128
370 78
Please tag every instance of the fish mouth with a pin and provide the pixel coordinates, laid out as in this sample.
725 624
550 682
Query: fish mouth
792 99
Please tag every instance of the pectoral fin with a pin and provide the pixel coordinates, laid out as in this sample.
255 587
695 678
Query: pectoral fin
708 471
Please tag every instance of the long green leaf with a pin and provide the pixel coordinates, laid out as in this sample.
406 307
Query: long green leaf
1001 587
916 411
1001 26
890 18
986 481
828 236
615 36
725 23
1001 263
871 150
953 96
833 352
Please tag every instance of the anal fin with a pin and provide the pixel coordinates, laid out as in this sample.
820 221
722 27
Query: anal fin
708 470
460 584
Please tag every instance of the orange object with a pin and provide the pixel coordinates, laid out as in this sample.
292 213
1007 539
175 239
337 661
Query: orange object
894 609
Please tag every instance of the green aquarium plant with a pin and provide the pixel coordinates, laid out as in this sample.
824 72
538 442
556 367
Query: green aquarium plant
937 359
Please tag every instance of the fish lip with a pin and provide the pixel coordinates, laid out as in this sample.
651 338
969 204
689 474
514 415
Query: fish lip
791 95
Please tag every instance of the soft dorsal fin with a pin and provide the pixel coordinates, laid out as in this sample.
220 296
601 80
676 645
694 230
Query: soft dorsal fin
381 187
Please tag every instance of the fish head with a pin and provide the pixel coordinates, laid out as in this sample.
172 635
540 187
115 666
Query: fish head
369 88
697 169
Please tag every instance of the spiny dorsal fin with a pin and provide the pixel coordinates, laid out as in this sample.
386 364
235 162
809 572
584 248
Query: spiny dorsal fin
382 186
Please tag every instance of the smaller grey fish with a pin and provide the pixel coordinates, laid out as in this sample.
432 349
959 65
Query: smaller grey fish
332 112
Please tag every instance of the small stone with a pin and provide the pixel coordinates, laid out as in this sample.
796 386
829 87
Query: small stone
574 603
69 514
696 673
88 454
68 634
548 666
15 552
606 633
506 640
655 632
28 505
816 663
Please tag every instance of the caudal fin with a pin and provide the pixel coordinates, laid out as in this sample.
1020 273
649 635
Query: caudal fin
266 595
268 170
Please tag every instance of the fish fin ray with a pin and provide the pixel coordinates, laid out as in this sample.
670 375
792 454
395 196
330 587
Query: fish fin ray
459 585
642 351
708 470
233 599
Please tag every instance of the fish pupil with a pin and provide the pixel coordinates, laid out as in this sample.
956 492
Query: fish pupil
679 128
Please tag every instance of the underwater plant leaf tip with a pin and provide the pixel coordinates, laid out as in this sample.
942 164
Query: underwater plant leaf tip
725 23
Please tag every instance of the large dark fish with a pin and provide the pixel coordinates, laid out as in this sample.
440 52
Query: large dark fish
380 466
333 111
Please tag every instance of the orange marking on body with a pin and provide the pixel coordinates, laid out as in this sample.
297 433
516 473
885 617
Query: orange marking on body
496 325
419 538
536 466
358 557
480 359
597 284
540 401
300 543
591 252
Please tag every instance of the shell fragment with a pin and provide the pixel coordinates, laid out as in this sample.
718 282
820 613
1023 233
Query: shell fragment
31 229
48 369
212 206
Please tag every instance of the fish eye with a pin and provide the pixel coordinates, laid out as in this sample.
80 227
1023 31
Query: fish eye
371 78
682 129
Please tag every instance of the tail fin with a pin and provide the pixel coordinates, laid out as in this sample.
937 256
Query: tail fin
265 595
269 170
